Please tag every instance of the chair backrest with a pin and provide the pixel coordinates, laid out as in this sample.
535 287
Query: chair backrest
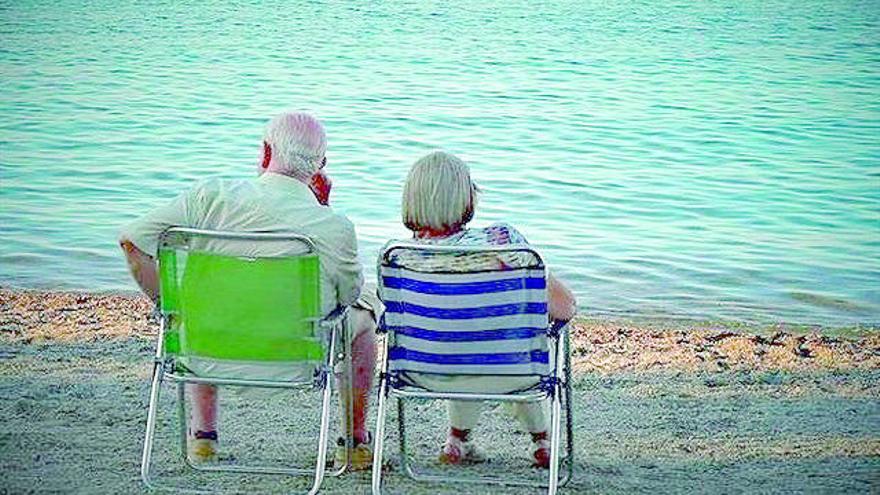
465 310
223 305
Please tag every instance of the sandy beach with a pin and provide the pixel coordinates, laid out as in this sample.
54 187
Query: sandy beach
37 317
658 405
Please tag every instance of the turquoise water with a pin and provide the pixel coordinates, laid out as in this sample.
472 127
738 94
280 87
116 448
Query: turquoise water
714 160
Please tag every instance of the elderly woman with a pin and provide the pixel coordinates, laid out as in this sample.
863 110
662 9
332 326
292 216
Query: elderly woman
439 199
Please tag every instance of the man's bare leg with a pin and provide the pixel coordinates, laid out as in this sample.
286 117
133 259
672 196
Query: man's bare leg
202 435
363 366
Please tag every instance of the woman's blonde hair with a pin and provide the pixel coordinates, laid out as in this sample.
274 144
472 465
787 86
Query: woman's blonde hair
438 193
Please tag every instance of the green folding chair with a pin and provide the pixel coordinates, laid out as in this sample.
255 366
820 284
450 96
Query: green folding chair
221 305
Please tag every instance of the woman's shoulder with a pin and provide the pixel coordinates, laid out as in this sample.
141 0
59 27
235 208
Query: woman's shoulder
499 234
496 234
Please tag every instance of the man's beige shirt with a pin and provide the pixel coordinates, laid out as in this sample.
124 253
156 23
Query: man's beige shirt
270 203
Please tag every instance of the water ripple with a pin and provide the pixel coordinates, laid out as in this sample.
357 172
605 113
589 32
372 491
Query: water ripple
687 160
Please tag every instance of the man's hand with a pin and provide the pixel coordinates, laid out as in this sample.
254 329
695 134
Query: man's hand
320 186
143 268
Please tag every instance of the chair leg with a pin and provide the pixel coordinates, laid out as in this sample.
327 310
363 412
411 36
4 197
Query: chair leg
322 439
569 408
321 465
379 440
554 441
146 458
405 465
569 434
183 424
345 392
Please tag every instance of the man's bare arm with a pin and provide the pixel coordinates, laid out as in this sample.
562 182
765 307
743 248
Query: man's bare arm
143 269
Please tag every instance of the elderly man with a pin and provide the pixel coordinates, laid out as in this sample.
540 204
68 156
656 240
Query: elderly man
290 195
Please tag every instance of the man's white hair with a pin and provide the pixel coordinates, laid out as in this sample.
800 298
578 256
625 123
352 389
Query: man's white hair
438 193
298 144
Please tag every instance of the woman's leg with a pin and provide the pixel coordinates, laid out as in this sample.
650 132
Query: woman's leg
533 416
463 417
463 414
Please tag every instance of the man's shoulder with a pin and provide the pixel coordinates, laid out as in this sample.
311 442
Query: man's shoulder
343 220
207 191
309 218
338 222
217 184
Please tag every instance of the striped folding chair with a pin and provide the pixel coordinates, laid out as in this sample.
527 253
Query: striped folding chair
490 322
230 318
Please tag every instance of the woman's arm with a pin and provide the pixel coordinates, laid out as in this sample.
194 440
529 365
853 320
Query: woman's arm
563 305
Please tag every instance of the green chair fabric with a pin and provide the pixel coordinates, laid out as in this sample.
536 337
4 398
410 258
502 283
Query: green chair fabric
241 309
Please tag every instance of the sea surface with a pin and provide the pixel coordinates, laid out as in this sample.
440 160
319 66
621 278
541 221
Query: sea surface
703 160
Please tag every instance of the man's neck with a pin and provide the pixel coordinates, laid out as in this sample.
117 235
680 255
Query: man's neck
319 184
286 175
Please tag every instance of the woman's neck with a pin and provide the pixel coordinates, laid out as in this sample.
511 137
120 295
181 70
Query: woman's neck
429 233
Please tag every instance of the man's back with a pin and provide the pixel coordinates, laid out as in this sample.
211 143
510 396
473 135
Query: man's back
270 203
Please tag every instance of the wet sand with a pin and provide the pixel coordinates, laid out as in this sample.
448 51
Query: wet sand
34 317
659 406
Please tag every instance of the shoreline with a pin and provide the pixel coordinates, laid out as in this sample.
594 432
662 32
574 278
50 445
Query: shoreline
647 321
34 316
655 408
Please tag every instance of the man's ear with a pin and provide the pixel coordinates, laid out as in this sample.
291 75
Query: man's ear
267 155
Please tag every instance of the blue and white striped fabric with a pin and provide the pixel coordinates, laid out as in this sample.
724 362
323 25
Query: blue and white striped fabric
483 323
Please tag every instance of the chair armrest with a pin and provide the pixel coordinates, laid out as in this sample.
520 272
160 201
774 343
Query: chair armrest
557 327
335 317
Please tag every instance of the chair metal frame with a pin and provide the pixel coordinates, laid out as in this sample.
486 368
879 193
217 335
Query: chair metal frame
164 369
558 392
